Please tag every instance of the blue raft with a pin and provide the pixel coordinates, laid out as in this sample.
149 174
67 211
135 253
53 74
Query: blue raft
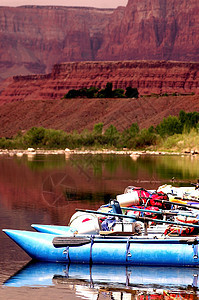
54 229
140 251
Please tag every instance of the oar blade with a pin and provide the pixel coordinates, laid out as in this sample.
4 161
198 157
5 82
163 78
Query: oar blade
60 241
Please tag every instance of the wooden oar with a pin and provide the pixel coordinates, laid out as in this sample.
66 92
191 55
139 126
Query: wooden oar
186 199
160 211
60 242
142 219
179 204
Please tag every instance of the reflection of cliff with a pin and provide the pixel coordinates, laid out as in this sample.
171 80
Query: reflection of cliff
57 192
22 189
81 181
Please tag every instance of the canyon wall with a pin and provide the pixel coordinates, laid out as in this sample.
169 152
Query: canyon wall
153 29
34 38
148 76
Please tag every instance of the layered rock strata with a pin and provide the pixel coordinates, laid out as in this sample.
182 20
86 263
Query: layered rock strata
149 77
34 38
153 29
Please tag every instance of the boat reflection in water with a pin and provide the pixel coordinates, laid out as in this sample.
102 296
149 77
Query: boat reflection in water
114 281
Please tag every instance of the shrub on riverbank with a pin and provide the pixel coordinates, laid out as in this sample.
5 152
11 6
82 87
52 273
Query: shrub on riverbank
172 133
177 125
185 142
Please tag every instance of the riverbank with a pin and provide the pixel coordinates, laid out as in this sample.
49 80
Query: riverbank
32 151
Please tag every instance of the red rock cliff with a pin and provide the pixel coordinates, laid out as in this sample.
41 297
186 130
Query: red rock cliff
153 29
148 76
34 38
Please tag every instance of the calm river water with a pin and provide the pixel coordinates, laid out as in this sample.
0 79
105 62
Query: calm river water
47 190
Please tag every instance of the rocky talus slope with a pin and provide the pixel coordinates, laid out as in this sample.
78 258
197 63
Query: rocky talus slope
79 114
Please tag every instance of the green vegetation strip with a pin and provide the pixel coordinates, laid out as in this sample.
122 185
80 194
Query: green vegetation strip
174 133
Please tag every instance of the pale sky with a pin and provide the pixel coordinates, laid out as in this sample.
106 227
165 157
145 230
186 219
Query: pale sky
92 3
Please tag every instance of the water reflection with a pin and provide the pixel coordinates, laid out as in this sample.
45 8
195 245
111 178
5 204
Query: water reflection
92 280
159 167
54 180
47 190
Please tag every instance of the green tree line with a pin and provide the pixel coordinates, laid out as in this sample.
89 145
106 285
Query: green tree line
107 92
131 138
